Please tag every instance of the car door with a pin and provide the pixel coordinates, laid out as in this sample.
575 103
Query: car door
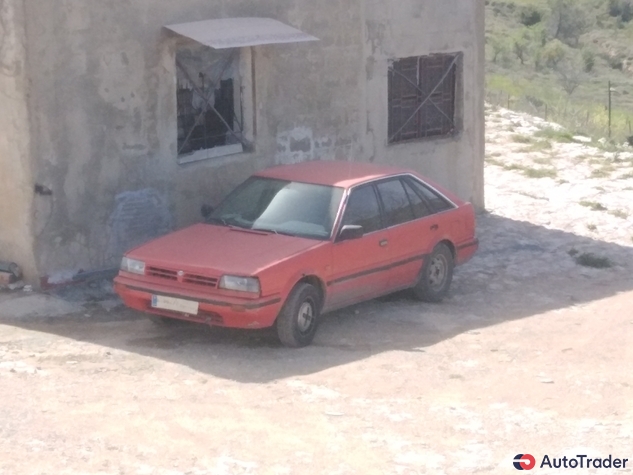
443 223
412 229
360 267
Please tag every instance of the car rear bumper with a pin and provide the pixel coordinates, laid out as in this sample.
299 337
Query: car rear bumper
212 310
466 251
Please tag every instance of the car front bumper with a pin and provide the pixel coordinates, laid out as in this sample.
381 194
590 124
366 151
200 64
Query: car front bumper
212 310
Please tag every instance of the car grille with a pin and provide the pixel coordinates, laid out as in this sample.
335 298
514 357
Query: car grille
186 278
200 280
162 273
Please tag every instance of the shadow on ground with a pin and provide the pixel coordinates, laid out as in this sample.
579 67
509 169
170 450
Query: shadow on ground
521 270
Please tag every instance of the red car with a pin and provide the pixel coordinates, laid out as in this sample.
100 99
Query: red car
296 241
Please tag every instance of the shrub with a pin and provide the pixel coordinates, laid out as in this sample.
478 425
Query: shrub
615 8
529 15
622 9
593 205
616 62
553 53
522 138
558 135
588 59
500 47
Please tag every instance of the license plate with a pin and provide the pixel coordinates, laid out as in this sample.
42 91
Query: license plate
174 304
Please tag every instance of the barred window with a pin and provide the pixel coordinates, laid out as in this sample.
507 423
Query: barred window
209 108
422 91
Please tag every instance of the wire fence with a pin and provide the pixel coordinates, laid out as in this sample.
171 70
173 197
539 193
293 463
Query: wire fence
578 119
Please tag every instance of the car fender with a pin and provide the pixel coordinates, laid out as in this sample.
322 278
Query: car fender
443 238
302 274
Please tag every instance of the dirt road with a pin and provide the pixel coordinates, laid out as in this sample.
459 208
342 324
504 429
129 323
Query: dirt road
531 354
392 386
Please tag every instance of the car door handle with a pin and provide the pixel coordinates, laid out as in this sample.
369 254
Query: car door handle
383 243
435 227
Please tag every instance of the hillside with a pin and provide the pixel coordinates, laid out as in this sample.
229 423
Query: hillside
555 58
537 172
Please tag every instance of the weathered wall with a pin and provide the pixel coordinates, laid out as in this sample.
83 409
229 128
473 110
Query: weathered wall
417 28
103 86
16 187
104 109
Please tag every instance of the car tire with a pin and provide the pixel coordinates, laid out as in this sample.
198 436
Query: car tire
436 275
298 319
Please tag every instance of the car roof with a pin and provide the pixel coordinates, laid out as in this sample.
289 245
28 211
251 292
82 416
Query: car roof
340 173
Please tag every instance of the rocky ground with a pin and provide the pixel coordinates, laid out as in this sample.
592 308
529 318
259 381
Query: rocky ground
553 200
530 354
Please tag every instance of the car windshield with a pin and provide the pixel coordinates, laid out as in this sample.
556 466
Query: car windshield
279 206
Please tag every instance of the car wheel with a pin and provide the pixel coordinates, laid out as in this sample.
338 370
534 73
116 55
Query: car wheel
436 276
299 317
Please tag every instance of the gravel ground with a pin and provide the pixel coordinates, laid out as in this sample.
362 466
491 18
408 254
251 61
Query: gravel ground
532 353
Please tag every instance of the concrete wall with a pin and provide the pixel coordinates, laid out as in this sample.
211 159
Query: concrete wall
16 187
417 28
103 109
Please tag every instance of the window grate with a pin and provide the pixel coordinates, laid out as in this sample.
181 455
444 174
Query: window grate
201 128
422 97
208 99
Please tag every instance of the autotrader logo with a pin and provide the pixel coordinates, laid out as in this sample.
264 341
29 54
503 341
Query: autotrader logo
528 462
524 462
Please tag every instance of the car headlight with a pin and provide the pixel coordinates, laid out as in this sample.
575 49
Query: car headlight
133 266
241 284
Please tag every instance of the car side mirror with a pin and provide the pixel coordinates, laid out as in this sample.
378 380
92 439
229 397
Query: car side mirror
350 231
206 210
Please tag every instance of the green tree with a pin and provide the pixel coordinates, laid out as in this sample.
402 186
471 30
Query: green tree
553 53
568 21
570 74
520 47
627 12
500 48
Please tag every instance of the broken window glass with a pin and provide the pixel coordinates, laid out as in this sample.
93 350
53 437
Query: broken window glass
208 99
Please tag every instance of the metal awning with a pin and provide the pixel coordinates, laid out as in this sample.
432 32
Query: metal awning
238 32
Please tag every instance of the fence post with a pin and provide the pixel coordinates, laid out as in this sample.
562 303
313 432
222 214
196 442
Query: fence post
609 109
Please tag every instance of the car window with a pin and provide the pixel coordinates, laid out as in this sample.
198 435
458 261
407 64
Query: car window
435 200
281 206
362 209
396 202
420 208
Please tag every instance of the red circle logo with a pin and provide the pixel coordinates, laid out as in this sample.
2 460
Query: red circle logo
524 462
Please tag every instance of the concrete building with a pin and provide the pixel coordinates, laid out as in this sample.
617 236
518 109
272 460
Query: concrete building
120 118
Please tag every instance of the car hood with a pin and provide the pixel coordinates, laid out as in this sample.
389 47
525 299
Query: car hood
208 248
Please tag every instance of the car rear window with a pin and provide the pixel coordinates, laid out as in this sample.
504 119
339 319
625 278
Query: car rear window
395 201
436 201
